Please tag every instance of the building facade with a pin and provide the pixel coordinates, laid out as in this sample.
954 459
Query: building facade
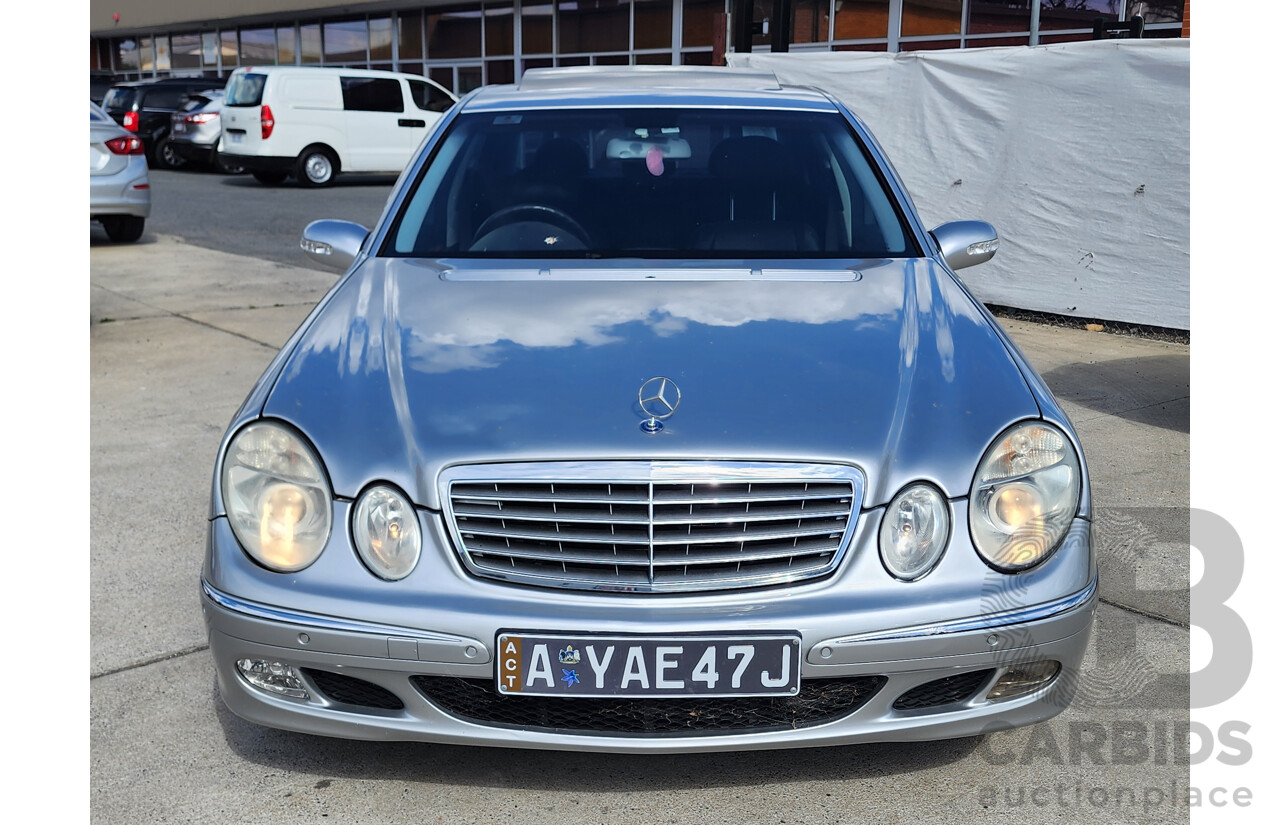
463 45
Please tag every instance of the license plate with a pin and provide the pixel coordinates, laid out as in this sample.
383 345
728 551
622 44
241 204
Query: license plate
179 128
235 138
534 664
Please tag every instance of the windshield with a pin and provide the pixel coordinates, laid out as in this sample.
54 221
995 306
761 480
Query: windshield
245 89
654 183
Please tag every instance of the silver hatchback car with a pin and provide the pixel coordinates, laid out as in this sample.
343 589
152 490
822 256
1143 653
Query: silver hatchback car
649 418
119 188
195 131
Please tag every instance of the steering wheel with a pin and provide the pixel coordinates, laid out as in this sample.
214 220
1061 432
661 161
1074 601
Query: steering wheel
532 212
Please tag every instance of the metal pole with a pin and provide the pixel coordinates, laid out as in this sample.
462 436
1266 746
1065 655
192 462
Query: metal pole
741 21
780 26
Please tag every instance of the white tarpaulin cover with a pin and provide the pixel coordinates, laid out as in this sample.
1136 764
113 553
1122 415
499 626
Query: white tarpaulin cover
1078 153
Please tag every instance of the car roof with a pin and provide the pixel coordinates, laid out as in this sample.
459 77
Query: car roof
625 86
329 70
168 81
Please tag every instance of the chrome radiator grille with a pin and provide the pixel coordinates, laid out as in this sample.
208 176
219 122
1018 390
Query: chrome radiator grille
652 527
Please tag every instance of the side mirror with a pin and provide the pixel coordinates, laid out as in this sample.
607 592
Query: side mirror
333 243
966 243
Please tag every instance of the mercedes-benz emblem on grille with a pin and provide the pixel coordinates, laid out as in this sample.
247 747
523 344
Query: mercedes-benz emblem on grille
659 398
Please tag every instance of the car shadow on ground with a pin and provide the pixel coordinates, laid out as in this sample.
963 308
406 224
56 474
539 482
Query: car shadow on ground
1151 390
341 182
510 768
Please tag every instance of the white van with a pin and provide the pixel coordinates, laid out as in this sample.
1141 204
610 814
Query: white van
315 122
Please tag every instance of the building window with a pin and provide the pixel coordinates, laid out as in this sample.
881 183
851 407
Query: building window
309 36
594 26
469 77
499 36
862 20
986 17
453 34
346 42
230 49
287 45
210 43
699 18
127 55
258 47
810 21
537 29
500 71
1169 11
409 35
186 51
923 18
381 36
163 63
1056 15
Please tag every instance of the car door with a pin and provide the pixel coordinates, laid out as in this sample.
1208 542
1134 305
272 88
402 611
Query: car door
428 102
158 103
376 142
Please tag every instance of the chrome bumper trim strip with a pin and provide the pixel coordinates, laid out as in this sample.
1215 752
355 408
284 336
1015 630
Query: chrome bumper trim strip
990 621
274 614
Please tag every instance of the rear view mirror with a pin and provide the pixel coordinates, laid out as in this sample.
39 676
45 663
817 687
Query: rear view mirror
333 243
966 243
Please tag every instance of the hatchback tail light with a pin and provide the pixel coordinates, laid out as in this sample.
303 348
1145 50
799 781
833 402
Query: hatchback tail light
126 146
201 117
131 121
268 122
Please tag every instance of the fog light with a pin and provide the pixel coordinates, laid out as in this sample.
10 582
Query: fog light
1022 679
273 677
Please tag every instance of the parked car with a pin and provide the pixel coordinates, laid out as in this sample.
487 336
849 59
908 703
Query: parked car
650 418
314 122
100 81
196 129
119 189
145 107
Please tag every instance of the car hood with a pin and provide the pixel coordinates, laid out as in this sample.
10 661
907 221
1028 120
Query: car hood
412 366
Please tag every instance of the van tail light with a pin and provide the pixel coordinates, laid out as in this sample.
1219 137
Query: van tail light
268 122
131 121
126 146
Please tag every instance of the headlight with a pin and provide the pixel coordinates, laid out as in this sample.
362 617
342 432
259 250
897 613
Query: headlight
276 496
1024 496
385 528
914 531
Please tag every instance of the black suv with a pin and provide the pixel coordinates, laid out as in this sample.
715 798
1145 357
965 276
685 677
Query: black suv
144 107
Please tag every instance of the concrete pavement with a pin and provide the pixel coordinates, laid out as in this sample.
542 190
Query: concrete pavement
178 336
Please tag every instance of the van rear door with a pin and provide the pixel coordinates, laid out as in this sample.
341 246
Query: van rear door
242 114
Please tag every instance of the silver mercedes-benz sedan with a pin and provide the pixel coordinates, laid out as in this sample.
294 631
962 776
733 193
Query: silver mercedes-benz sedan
649 418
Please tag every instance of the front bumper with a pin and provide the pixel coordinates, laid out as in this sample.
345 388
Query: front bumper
458 641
